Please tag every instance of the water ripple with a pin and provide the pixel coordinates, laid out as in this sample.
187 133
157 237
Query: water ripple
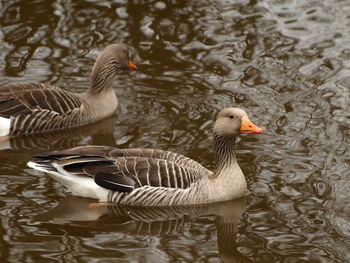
285 62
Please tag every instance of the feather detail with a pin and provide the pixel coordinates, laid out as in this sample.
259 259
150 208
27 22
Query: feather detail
145 171
114 182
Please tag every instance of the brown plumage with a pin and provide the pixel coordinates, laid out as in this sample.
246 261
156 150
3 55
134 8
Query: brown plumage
147 167
36 107
153 177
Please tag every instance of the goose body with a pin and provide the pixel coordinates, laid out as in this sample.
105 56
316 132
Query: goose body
148 177
36 107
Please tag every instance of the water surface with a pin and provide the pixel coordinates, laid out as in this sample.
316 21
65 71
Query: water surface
286 62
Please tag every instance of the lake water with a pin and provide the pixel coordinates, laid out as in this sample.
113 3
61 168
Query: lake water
287 63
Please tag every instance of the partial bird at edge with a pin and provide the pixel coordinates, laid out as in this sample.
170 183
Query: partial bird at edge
27 108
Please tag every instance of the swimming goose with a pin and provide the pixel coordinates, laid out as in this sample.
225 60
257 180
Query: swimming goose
35 107
148 177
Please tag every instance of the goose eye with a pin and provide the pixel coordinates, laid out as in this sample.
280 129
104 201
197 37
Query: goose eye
231 116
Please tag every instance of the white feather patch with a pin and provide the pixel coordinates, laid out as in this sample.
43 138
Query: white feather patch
5 126
80 186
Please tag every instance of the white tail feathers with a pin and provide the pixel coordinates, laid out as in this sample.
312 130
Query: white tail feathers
78 185
5 126
35 166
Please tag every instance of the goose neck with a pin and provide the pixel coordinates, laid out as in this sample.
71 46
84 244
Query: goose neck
224 148
102 77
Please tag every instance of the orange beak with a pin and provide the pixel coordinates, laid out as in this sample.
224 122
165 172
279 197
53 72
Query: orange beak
132 65
247 127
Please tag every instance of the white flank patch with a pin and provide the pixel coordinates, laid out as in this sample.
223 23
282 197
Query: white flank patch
33 165
78 185
4 126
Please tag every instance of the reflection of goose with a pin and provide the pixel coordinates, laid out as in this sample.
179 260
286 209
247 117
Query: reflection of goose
153 177
100 132
75 216
31 107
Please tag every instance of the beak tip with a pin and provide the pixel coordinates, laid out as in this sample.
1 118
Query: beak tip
247 127
132 65
259 130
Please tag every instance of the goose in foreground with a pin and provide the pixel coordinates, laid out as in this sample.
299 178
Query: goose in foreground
36 107
148 177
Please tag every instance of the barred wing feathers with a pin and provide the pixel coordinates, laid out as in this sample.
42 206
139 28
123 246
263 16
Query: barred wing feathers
38 107
124 170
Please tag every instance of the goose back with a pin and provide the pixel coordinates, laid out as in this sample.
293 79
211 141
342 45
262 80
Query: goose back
36 107
146 167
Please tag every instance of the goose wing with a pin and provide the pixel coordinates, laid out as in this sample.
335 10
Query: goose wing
124 170
35 103
18 99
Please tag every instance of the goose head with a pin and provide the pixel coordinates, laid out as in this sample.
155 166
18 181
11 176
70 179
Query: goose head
116 55
113 59
231 122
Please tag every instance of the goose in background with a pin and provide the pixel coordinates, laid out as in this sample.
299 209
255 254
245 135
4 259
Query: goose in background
37 107
149 177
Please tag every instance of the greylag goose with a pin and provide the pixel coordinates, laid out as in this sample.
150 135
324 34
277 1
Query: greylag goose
149 177
36 107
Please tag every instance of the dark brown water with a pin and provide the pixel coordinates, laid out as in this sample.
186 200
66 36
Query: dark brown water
286 62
